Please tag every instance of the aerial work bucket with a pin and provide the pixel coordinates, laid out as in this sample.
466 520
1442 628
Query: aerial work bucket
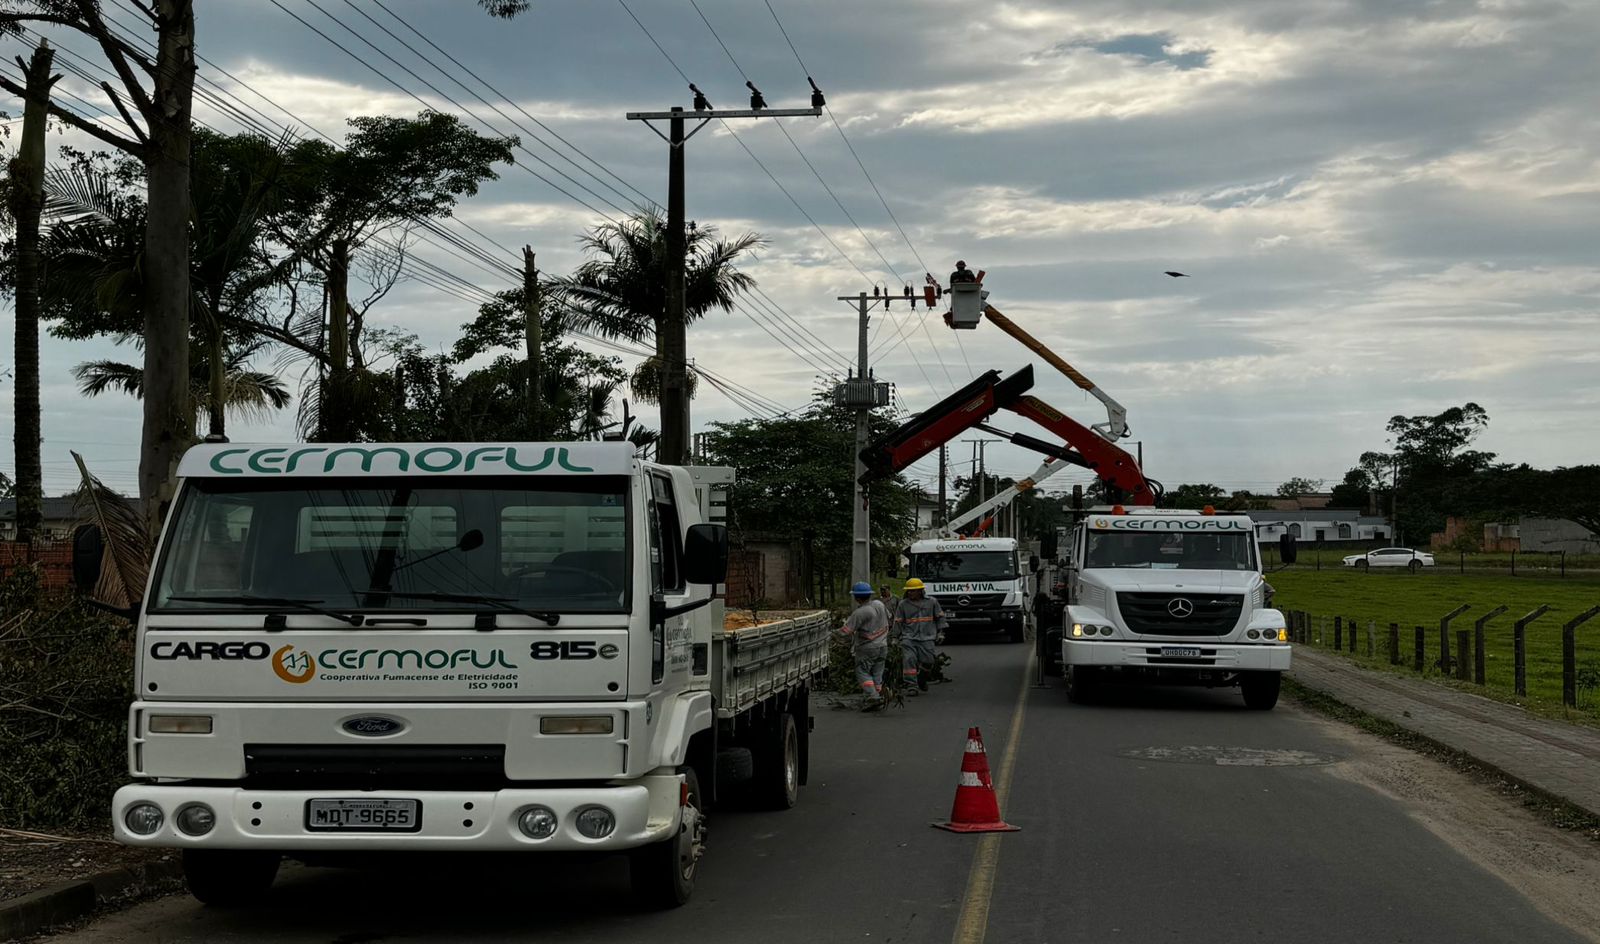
966 304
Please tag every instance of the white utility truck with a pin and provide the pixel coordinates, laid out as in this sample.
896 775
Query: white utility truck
1173 597
485 646
979 582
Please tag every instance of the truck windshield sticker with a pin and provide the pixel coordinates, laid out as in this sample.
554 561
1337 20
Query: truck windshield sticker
286 460
1131 523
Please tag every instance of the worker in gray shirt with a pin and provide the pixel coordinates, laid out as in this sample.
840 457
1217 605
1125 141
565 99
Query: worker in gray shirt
868 627
918 622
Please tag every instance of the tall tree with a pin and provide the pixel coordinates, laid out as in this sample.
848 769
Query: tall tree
26 197
243 392
161 92
620 290
1196 496
1298 486
392 171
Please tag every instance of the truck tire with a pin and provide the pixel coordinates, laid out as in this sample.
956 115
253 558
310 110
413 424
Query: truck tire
229 878
777 762
1050 652
1016 632
662 874
1082 684
1260 689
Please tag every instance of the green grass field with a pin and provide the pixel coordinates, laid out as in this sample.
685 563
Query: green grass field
1421 599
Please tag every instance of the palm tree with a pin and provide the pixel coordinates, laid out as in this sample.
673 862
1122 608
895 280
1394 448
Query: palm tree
245 393
620 291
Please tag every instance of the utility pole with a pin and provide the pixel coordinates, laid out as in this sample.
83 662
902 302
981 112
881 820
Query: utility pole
944 458
978 467
861 393
673 446
532 322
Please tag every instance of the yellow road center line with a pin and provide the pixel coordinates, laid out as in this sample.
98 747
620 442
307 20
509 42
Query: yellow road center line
973 922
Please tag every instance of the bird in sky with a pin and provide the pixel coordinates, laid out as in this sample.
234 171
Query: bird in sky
1177 275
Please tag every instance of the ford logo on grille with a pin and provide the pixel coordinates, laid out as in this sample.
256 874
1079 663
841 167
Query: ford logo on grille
1180 608
373 726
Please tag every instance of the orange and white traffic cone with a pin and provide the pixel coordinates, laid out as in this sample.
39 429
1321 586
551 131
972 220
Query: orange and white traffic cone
976 809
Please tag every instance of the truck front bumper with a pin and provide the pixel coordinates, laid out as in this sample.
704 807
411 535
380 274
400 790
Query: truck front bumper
1213 657
646 810
963 619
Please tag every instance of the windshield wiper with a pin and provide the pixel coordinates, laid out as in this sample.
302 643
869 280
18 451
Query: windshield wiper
246 599
503 603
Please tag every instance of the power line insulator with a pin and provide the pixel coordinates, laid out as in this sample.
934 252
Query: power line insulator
817 101
757 102
701 103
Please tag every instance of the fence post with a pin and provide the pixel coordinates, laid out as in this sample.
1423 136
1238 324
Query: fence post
1463 667
1338 634
1519 644
1513 563
1477 642
1569 656
1352 625
1394 643
1463 565
1321 622
1372 632
1420 659
1444 638
1563 564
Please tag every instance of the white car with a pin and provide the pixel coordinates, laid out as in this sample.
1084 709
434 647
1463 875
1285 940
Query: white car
1390 557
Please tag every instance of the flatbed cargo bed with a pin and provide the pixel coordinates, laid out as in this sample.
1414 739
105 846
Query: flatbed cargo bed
767 653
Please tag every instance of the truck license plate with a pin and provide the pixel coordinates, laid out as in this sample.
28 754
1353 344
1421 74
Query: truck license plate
386 815
1179 652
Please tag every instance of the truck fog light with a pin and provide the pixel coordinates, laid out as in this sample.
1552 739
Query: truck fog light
143 819
587 724
180 724
537 822
1105 630
1252 634
596 822
196 819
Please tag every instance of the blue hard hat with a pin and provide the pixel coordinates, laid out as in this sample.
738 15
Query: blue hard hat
861 589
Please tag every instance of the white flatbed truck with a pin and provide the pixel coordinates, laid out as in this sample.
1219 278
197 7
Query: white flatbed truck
485 646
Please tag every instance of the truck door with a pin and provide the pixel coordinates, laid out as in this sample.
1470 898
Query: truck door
672 653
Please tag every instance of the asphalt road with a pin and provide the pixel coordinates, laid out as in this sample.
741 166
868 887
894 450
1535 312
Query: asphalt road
1159 816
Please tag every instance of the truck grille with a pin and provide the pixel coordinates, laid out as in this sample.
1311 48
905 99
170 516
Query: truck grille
975 601
355 766
1214 614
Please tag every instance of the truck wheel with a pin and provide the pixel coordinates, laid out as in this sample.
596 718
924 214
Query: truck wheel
1081 684
777 783
1260 689
1016 632
1050 653
663 873
229 878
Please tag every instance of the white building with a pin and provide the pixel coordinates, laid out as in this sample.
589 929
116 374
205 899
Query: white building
1327 525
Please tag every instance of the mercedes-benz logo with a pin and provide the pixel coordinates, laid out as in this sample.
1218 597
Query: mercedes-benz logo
964 601
1180 608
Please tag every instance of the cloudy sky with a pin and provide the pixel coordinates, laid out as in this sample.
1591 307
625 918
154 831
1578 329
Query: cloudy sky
1385 206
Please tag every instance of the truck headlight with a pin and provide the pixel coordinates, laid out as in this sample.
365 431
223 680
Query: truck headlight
596 822
1105 630
1078 629
143 819
538 822
1283 634
196 819
1252 634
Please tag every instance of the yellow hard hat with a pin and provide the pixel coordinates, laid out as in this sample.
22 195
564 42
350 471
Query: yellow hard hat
914 584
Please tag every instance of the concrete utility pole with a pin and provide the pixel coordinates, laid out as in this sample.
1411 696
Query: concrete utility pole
861 393
980 478
533 327
673 447
944 458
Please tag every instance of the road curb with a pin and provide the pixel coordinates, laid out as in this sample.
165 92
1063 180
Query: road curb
1432 744
69 901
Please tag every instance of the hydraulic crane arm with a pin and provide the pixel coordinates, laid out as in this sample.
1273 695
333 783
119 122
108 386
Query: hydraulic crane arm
1116 425
971 406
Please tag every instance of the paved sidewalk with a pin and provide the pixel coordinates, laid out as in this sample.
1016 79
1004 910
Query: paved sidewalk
1558 758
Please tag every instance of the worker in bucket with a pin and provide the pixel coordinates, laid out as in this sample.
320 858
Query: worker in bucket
918 622
962 273
868 627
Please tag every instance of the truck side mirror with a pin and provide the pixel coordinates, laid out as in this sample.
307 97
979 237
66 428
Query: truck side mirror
1033 563
1287 551
705 554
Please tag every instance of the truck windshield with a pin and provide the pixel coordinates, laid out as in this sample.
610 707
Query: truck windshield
965 566
560 545
1186 551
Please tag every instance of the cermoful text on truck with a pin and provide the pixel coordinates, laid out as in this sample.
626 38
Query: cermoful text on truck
1169 596
475 646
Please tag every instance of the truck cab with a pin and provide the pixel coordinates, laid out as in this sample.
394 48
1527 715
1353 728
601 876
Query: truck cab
1173 597
981 583
401 647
